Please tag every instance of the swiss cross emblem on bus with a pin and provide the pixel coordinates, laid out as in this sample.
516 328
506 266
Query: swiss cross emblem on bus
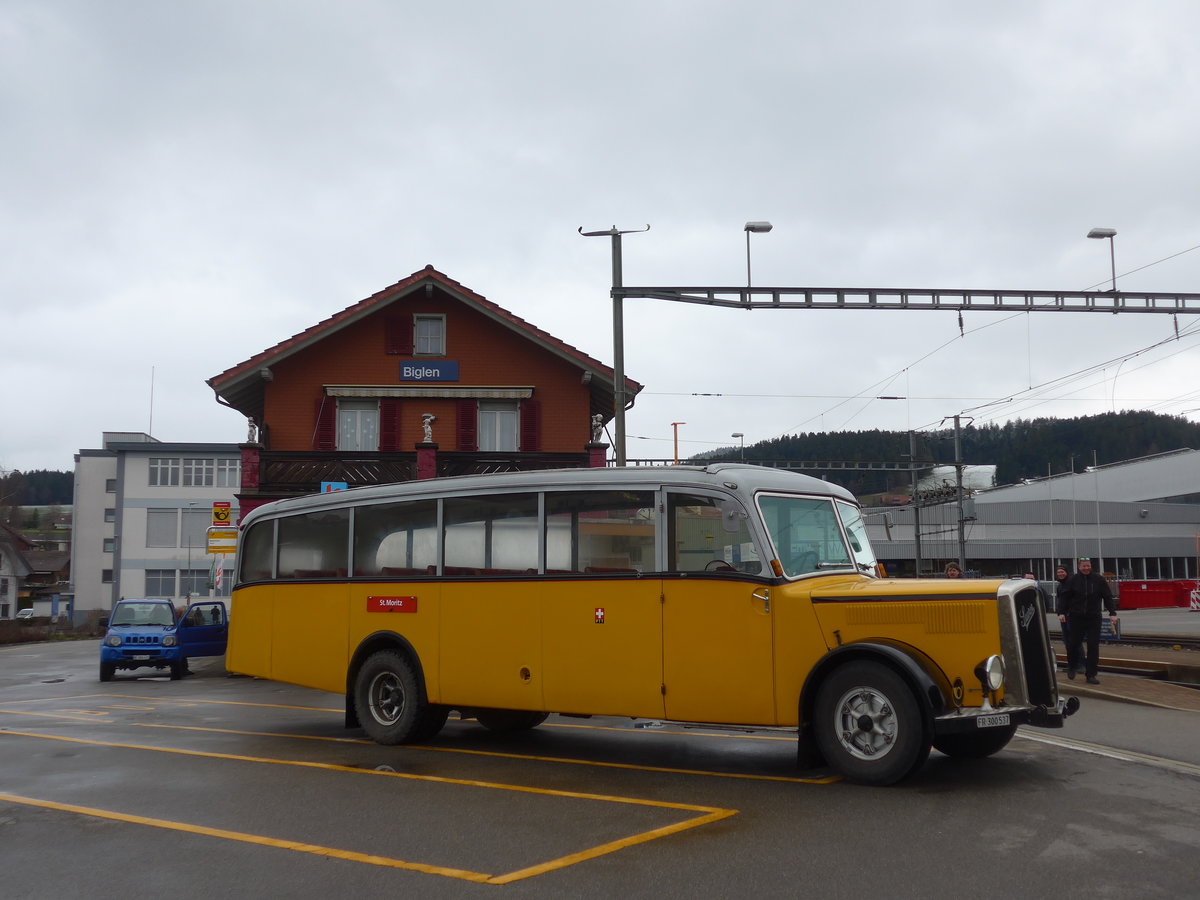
599 615
392 604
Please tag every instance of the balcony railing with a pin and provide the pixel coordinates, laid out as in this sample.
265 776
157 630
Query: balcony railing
285 473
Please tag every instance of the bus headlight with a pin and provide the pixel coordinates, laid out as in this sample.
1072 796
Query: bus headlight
990 672
113 640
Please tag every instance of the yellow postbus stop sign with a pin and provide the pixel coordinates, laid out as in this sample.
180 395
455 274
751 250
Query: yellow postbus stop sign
221 512
222 540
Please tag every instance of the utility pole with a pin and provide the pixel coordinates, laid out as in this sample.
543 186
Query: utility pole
958 485
620 401
912 457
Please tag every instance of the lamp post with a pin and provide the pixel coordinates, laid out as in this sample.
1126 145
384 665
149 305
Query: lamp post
742 444
675 427
1109 233
756 228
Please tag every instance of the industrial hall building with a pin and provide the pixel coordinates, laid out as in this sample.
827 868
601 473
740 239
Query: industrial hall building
1136 520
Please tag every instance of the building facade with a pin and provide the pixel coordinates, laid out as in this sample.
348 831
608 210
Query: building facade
423 378
142 509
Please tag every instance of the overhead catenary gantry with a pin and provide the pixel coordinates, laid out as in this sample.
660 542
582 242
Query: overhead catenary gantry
1009 301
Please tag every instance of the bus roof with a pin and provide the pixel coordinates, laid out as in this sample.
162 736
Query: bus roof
738 478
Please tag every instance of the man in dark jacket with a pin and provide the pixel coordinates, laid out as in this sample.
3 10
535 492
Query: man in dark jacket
1079 600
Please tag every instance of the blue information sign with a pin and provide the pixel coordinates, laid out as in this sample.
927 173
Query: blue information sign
429 370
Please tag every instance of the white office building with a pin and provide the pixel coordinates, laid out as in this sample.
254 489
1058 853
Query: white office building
142 511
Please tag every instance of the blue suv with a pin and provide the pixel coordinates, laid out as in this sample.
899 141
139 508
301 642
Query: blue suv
146 633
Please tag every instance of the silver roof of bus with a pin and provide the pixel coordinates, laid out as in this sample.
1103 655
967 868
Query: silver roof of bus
741 479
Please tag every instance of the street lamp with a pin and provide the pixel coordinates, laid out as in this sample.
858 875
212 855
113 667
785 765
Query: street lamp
1110 233
742 441
675 426
757 228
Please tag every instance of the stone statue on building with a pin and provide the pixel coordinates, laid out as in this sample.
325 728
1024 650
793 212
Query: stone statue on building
427 420
252 432
597 428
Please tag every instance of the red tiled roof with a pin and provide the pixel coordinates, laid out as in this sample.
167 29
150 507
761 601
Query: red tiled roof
387 295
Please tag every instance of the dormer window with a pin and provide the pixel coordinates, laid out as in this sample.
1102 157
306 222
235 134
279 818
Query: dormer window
429 335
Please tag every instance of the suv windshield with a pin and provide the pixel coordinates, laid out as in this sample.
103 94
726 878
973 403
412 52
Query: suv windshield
142 614
807 535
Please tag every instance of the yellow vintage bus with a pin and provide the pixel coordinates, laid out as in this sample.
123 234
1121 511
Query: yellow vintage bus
728 594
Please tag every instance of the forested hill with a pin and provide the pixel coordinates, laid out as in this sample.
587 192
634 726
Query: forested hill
38 487
1019 449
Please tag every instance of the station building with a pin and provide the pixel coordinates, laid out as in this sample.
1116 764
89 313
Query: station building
423 378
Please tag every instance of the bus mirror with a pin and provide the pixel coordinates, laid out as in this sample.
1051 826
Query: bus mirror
731 517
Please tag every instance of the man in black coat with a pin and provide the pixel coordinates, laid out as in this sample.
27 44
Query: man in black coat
1079 601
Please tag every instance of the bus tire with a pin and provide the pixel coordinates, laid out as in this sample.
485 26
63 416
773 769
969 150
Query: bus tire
868 724
975 744
106 671
388 699
504 720
431 723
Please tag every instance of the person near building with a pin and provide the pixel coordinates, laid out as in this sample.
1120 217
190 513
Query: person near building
953 571
1079 603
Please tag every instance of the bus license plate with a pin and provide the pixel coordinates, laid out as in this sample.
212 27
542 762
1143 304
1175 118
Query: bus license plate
992 721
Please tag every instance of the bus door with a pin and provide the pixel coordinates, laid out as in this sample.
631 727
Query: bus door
717 620
489 620
601 602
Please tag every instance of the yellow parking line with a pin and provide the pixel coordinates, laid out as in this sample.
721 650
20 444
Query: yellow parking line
707 813
242 836
791 779
90 717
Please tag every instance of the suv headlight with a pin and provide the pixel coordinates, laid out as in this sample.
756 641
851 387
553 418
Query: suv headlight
990 672
113 640
168 640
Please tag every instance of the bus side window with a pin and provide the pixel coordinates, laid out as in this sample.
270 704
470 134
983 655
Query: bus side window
313 545
600 532
492 535
258 547
708 534
395 539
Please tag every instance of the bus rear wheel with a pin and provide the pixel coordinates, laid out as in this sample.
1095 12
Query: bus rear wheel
868 724
389 701
509 719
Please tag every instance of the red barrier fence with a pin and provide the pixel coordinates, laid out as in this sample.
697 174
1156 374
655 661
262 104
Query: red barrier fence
1156 594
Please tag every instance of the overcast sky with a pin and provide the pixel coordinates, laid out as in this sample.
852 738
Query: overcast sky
185 184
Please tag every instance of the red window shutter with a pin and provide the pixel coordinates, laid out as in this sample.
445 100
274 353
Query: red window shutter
325 433
398 336
468 425
531 426
389 424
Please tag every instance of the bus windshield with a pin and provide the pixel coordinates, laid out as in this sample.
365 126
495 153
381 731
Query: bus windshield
807 536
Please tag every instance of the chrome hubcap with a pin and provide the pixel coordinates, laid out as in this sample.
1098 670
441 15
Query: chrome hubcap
866 723
387 698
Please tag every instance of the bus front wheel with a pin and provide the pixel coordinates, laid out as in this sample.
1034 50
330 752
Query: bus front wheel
388 700
975 744
868 724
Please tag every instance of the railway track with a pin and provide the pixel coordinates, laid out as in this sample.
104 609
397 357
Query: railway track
1167 641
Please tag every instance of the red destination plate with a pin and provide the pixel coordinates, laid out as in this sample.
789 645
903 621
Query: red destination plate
392 604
